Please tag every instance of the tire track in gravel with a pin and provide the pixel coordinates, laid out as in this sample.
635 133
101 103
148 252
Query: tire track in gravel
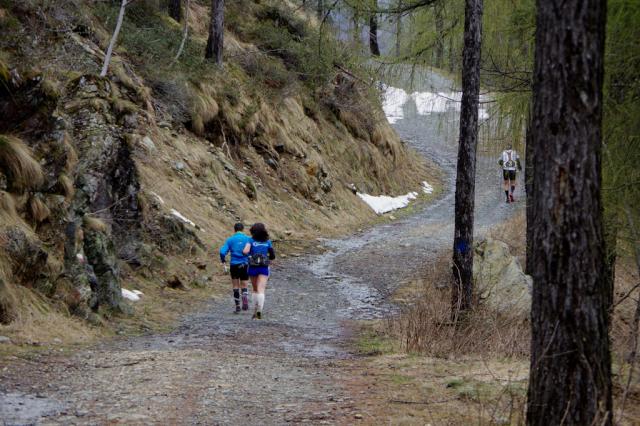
221 368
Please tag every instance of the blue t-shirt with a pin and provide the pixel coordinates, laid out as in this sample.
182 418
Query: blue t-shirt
235 244
258 247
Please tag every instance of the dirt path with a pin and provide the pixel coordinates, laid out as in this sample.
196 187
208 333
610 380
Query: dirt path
221 368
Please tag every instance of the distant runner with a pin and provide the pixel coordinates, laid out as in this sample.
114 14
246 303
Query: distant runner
261 253
509 162
239 265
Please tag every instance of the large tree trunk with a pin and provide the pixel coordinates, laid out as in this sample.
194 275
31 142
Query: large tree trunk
462 294
438 10
570 374
175 9
215 43
528 189
373 32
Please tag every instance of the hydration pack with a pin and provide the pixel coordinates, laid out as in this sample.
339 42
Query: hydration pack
258 260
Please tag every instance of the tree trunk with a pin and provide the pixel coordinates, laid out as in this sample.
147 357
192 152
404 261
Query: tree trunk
528 189
373 33
462 293
185 30
438 10
356 29
320 10
570 374
398 29
114 38
215 44
175 9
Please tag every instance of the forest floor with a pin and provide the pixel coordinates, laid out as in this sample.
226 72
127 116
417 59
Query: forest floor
307 361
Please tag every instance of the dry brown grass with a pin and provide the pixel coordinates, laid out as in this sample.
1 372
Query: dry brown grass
94 224
37 208
22 170
66 185
513 233
425 325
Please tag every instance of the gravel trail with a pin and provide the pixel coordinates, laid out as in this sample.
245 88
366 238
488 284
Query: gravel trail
221 368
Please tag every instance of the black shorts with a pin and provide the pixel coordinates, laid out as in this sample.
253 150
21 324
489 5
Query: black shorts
509 174
239 272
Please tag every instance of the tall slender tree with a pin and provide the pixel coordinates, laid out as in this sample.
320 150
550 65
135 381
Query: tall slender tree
438 12
399 28
215 43
373 30
175 9
462 294
570 374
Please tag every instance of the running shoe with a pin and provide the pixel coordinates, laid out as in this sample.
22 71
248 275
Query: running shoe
237 311
508 200
258 315
245 302
511 198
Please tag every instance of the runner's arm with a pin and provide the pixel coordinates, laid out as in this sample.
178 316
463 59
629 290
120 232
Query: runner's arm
224 250
272 253
246 249
518 163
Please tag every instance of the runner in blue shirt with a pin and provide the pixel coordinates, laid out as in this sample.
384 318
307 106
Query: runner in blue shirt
261 253
239 265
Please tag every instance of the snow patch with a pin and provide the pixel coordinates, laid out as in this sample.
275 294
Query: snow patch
133 295
426 188
384 203
393 99
179 215
159 198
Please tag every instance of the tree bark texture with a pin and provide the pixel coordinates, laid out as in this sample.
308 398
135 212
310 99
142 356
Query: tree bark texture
175 9
462 294
373 34
215 43
570 374
320 10
528 189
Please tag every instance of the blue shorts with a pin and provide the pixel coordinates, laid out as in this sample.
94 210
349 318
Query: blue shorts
254 271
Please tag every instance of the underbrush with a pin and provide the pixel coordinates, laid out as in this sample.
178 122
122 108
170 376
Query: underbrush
425 325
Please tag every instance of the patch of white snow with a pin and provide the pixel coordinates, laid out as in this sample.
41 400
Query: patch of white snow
426 188
384 203
393 99
134 295
179 215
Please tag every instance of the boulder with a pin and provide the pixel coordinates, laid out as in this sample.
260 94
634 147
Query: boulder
501 284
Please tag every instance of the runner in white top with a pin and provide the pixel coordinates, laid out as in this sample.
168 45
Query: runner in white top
510 161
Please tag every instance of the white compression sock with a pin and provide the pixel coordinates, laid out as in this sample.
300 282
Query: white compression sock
254 298
260 298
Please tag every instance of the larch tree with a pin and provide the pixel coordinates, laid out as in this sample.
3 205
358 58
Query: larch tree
174 8
215 43
374 48
462 284
570 374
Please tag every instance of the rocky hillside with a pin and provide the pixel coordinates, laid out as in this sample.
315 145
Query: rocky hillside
136 176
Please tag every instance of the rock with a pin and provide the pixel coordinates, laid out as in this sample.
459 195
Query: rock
179 166
358 416
273 163
280 148
175 283
164 124
101 255
501 283
148 144
4 339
